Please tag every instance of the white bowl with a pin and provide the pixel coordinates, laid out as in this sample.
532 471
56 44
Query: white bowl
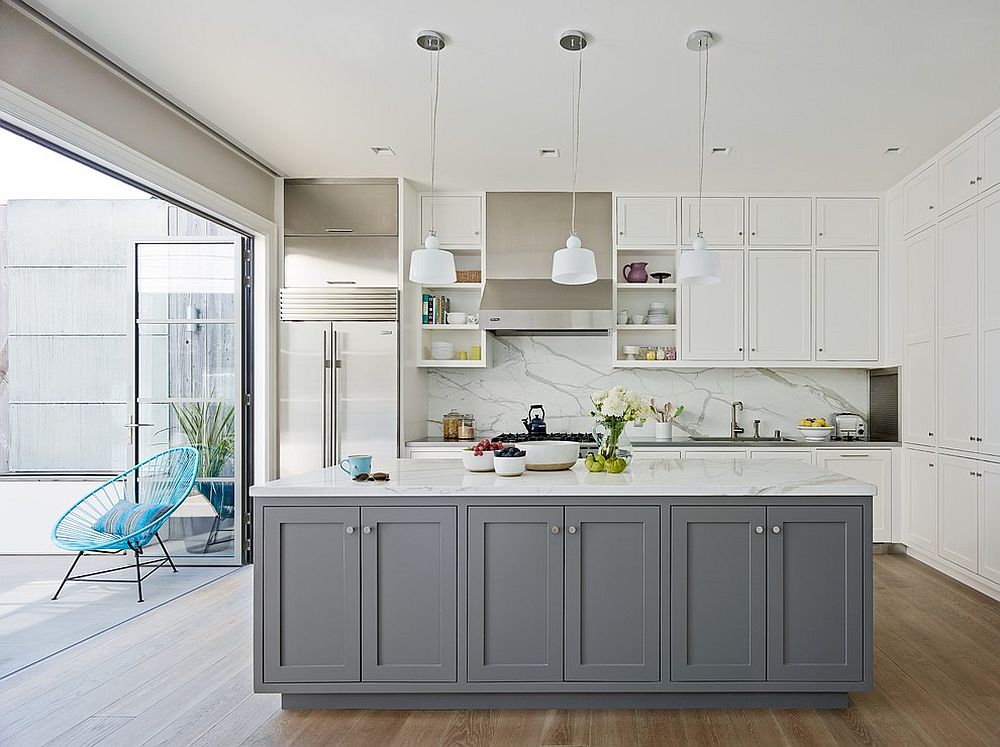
547 456
509 466
657 306
816 433
442 351
458 317
475 463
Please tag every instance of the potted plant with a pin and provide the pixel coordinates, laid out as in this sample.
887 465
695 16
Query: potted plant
210 428
614 408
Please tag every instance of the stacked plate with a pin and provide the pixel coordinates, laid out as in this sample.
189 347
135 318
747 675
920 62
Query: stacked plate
442 351
657 313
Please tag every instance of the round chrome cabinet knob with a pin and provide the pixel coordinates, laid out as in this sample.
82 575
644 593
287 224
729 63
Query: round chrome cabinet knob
555 530
367 530
759 530
349 530
571 530
776 529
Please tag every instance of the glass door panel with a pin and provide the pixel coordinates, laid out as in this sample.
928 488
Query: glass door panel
187 344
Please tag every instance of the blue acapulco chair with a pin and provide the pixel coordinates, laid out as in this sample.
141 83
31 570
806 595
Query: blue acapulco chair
164 480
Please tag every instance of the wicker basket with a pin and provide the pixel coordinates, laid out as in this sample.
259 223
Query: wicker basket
469 276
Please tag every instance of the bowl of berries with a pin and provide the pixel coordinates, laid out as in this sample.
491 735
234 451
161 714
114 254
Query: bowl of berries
479 458
509 461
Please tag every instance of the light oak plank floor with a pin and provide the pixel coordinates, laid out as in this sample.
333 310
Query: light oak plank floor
181 675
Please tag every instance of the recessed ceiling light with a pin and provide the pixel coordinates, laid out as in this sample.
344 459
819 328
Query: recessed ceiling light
383 150
721 150
893 150
548 152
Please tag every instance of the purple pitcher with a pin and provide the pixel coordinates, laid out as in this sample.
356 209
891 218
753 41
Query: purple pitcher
635 272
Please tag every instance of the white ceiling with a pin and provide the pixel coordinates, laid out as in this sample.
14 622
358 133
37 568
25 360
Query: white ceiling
807 93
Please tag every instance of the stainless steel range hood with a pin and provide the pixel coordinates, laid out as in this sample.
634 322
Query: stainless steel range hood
539 306
522 231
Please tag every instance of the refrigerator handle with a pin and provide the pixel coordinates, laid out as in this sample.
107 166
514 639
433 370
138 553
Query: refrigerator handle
336 397
326 404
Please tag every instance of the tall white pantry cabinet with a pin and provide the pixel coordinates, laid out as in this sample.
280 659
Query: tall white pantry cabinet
951 360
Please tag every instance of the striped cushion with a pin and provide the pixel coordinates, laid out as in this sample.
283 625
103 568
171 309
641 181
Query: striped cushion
126 517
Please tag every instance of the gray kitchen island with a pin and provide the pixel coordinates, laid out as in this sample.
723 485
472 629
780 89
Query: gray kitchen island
679 583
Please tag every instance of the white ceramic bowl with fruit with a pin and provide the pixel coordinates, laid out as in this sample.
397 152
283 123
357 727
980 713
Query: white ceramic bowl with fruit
509 463
480 457
815 429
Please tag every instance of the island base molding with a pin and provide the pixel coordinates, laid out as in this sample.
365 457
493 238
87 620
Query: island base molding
485 701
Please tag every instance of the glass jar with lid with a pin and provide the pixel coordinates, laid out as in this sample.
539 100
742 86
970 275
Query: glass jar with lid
451 424
467 431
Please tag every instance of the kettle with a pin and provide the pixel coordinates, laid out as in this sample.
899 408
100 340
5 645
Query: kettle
535 425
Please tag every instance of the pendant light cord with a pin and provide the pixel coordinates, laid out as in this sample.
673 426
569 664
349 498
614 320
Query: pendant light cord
702 116
435 86
577 89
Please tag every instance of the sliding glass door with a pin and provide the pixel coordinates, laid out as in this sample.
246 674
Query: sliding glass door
188 357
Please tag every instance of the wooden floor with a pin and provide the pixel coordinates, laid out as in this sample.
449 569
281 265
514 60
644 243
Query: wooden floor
181 675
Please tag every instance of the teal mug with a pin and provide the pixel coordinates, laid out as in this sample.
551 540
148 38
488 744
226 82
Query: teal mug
357 464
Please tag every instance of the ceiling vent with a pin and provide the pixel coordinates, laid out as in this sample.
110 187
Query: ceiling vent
893 150
721 150
382 150
548 152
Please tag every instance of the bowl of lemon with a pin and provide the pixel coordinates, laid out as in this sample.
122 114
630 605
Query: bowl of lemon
815 429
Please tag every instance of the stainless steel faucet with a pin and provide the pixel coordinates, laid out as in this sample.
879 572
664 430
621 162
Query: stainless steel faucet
735 428
756 429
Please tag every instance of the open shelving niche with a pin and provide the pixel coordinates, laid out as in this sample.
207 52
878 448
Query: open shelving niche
464 296
636 297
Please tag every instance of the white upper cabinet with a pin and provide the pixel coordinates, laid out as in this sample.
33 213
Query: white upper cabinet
847 305
722 220
712 326
990 155
846 221
920 506
919 199
958 174
958 370
780 303
647 221
457 218
868 465
921 285
780 221
989 326
958 512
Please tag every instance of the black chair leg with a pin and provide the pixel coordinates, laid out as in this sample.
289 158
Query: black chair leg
213 534
164 548
138 574
68 573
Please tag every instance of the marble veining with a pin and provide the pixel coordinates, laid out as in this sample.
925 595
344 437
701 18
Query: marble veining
561 373
645 477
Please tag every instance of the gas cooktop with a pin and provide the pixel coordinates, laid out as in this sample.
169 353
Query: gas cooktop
517 438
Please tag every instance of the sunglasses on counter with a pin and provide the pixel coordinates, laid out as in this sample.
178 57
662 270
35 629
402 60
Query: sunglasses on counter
373 477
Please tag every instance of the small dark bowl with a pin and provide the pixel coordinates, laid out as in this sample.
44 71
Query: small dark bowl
660 276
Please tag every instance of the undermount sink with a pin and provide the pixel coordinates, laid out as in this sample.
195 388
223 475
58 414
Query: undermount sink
730 439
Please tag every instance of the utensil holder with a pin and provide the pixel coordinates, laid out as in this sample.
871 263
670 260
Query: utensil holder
664 431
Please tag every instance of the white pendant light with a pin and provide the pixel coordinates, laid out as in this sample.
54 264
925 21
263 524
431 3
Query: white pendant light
698 266
574 265
432 265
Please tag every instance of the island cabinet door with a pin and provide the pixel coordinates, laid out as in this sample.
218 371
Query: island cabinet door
311 597
815 601
409 605
613 593
717 593
516 594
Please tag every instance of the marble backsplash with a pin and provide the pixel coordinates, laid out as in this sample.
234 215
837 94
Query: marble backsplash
561 372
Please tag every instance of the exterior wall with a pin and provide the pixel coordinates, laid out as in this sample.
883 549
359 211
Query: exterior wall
562 372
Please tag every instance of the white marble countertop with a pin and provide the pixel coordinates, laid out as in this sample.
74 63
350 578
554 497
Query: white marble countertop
645 477
686 442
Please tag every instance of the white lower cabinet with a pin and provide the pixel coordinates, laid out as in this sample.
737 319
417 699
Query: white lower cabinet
442 452
868 465
710 452
655 452
989 521
958 511
795 455
920 504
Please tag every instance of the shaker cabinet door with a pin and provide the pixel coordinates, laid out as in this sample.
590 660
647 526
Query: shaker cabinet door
409 608
780 305
847 322
717 593
815 600
846 221
722 220
613 593
958 171
713 314
958 511
920 199
920 499
311 595
647 221
780 221
515 594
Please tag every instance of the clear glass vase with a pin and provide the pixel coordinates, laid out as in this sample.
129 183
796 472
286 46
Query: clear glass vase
612 441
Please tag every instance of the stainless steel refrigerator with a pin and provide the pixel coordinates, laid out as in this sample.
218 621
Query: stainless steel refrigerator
338 383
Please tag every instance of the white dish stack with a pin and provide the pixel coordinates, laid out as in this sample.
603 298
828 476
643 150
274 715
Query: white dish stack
657 313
